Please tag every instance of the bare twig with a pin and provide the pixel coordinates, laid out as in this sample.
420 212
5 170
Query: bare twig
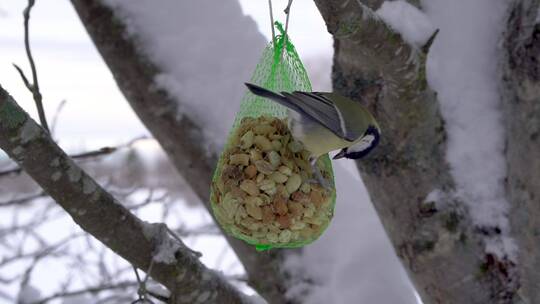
56 115
24 79
34 87
86 155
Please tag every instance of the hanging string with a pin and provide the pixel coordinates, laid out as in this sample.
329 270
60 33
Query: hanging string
287 12
272 22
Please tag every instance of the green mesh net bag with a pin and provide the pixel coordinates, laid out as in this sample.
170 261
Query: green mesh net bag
263 190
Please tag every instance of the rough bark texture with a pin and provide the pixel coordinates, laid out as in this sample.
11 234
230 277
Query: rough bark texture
98 213
437 243
521 67
180 137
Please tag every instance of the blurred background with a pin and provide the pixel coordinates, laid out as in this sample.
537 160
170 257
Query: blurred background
44 255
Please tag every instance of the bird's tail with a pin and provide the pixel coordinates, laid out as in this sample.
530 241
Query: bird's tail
282 100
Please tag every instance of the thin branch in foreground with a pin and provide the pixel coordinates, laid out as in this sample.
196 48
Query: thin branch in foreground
34 87
24 79
56 116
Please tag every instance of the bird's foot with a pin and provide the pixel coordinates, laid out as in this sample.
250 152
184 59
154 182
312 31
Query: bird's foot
319 179
318 176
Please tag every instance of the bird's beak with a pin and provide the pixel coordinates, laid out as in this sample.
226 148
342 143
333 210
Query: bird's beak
341 154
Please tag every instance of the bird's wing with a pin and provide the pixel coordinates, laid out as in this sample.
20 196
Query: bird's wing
356 118
320 109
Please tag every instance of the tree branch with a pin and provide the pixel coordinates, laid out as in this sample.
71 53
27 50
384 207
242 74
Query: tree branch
34 86
98 213
435 239
134 73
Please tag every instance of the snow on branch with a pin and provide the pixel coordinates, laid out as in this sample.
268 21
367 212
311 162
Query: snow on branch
382 51
412 23
463 69
98 213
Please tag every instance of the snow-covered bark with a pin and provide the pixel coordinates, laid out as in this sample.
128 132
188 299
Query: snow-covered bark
439 193
521 104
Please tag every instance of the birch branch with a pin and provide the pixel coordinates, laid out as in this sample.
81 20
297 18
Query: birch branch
34 86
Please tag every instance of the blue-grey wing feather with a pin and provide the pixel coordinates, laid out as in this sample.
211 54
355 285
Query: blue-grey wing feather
350 132
314 106
319 109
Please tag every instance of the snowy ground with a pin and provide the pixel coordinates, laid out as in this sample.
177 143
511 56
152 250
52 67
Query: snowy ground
353 258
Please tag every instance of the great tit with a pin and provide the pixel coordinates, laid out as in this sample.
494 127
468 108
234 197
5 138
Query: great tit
325 122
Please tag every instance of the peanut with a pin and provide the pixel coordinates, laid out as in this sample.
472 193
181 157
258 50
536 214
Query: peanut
293 183
296 209
250 171
264 167
246 141
263 143
274 158
285 170
268 186
250 187
264 129
306 188
254 211
316 198
255 155
267 215
280 205
276 145
279 177
284 221
239 159
285 236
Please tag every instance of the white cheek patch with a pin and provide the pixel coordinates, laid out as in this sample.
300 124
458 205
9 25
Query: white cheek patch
364 144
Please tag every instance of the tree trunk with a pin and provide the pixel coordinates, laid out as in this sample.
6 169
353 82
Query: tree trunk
434 236
521 95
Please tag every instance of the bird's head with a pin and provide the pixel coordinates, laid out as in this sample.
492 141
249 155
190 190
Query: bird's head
361 147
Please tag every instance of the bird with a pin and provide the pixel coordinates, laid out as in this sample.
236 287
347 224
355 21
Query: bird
325 122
